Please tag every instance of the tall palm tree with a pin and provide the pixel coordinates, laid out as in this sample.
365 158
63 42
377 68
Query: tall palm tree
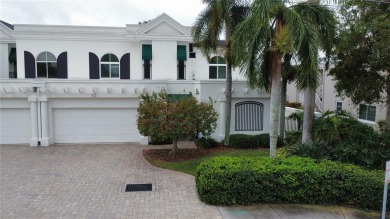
220 16
274 28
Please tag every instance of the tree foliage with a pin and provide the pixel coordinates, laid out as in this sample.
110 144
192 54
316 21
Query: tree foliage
275 28
162 117
362 54
220 17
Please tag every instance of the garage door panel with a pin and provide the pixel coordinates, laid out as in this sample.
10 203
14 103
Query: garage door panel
15 125
95 125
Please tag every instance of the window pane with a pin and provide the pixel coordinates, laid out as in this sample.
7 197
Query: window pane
213 72
339 106
52 69
214 60
181 70
147 69
114 71
371 113
42 57
50 57
221 72
221 60
113 58
105 70
106 58
41 68
362 111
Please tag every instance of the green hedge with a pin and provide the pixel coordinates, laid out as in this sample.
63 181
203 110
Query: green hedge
251 141
229 180
206 143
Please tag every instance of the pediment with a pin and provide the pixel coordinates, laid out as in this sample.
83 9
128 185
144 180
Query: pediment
164 29
163 25
5 35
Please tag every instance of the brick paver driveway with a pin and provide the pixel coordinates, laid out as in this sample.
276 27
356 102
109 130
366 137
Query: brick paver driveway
88 181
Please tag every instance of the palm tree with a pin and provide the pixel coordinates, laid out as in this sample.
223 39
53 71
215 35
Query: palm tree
219 16
272 29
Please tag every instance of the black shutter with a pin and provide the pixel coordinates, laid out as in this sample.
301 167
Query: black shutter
125 66
62 65
29 65
93 66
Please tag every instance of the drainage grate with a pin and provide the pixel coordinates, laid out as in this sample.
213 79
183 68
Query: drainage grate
138 187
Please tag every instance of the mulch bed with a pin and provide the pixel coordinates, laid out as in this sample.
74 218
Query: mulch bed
182 155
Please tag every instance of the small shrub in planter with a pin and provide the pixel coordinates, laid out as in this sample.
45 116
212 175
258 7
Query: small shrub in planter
206 143
231 180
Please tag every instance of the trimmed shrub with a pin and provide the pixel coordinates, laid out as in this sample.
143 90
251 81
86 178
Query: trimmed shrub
206 142
251 141
230 180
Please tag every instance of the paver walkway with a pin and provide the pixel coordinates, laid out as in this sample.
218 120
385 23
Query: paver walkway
88 181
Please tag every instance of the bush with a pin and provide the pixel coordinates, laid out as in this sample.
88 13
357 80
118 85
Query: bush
347 139
251 141
206 142
313 149
160 141
230 180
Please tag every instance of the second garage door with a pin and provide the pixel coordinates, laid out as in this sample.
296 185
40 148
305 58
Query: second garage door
95 125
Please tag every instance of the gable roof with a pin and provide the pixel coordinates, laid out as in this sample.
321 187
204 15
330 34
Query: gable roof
162 27
163 19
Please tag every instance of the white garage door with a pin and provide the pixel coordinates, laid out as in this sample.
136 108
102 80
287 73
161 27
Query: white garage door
95 125
15 126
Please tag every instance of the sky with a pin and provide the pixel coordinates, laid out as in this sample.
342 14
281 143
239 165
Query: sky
115 13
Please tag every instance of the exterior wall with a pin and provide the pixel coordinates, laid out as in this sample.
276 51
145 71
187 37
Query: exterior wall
78 51
330 98
99 94
44 99
164 60
4 64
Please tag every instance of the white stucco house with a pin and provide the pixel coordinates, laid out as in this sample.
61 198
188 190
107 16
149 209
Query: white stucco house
327 100
80 84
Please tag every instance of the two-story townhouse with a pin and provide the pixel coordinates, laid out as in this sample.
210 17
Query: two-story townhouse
80 84
327 99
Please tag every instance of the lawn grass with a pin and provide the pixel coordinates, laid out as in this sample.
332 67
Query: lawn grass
189 166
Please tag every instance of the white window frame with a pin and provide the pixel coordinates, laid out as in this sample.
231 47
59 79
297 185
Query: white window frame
178 63
366 113
47 63
143 70
218 65
337 102
109 64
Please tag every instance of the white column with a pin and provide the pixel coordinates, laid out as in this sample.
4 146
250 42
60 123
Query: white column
44 121
222 105
34 121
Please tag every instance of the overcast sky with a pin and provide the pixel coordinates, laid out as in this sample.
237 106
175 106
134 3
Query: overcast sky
97 12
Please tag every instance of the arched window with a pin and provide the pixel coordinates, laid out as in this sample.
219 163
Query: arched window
109 66
249 116
217 68
47 65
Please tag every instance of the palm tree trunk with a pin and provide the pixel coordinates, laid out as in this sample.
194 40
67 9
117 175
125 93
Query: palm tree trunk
282 108
276 72
228 102
388 100
308 115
